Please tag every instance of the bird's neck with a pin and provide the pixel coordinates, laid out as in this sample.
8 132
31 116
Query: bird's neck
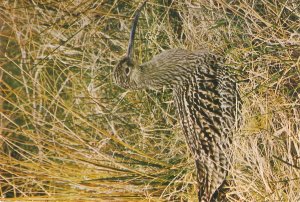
174 68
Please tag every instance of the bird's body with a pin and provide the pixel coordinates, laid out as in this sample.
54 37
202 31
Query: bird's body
208 107
207 103
206 99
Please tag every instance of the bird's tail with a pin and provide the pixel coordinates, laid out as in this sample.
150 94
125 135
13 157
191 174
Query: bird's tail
211 178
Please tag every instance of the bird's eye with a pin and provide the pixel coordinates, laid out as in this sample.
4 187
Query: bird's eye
127 71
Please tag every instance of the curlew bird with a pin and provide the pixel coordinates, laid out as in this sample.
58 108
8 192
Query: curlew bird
207 102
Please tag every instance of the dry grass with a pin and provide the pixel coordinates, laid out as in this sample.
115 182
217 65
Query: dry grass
68 133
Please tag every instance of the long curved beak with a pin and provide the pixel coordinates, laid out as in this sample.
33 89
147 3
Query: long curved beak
133 28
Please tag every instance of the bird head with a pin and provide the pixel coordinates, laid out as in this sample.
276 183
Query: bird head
126 69
123 72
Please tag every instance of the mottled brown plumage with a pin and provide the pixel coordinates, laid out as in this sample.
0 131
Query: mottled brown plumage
206 99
